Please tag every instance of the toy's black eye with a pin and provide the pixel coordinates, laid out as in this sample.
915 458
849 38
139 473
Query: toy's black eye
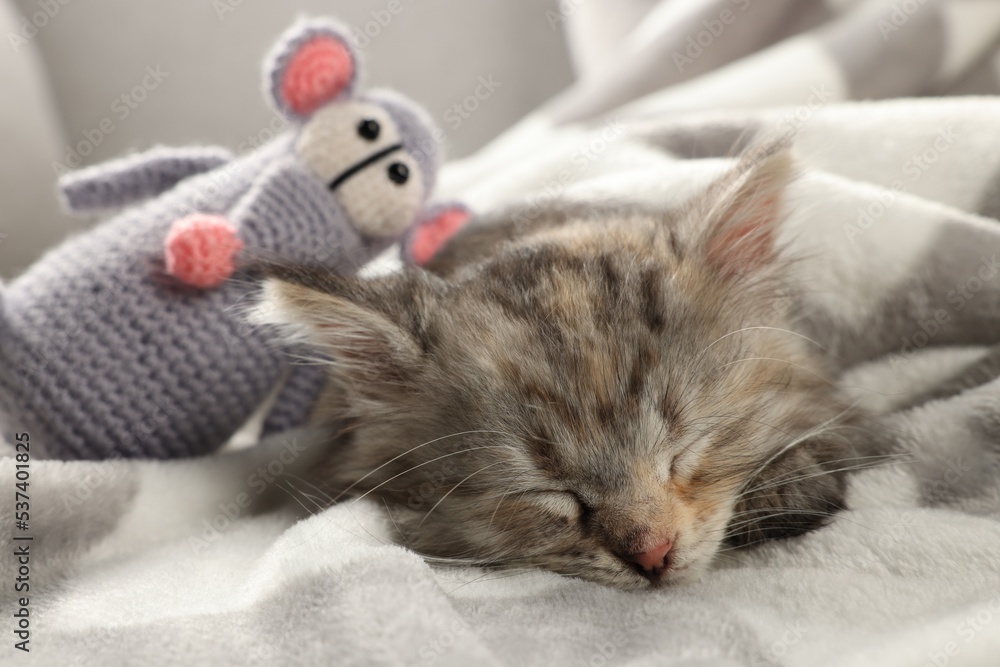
369 129
399 173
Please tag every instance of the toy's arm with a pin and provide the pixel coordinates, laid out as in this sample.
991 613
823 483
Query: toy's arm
286 213
200 249
296 399
135 178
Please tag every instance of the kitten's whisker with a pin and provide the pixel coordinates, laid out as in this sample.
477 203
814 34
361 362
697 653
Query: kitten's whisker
321 507
508 492
325 516
839 514
295 498
773 512
503 496
442 499
388 513
788 331
728 557
412 449
778 481
762 510
815 373
806 436
511 517
805 477
506 575
782 361
733 416
420 465
318 491
362 526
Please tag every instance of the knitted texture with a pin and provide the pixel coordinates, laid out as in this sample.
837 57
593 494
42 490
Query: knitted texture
130 340
319 70
314 63
134 179
200 250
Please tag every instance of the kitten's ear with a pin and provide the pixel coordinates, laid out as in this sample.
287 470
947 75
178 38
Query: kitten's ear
738 217
370 329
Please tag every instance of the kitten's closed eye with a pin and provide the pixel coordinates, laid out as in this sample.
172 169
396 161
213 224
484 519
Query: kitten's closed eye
577 326
566 504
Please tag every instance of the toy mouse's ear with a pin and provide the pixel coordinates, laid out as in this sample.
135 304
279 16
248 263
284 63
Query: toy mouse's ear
312 64
432 230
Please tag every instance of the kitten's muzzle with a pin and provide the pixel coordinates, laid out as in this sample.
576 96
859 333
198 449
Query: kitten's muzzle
653 562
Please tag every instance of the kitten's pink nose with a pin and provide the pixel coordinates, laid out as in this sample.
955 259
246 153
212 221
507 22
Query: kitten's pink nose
655 560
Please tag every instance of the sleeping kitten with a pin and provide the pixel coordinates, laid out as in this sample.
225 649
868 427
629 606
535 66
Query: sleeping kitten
610 395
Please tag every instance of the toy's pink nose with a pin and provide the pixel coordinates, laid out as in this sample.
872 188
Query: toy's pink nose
655 560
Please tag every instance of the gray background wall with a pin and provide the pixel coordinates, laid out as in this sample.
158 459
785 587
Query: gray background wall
62 84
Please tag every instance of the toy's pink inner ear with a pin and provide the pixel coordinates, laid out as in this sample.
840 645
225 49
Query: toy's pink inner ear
431 235
316 74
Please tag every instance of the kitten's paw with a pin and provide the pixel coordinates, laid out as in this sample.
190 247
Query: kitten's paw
797 492
200 250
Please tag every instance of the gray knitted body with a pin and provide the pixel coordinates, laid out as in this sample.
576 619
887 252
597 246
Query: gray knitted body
106 349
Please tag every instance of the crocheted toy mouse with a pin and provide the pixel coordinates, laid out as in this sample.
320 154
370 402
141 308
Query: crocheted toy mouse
130 339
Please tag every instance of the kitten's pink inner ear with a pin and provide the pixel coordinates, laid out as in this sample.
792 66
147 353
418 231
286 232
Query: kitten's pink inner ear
434 233
742 224
316 74
746 239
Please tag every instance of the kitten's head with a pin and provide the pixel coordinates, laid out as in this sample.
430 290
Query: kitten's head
600 397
